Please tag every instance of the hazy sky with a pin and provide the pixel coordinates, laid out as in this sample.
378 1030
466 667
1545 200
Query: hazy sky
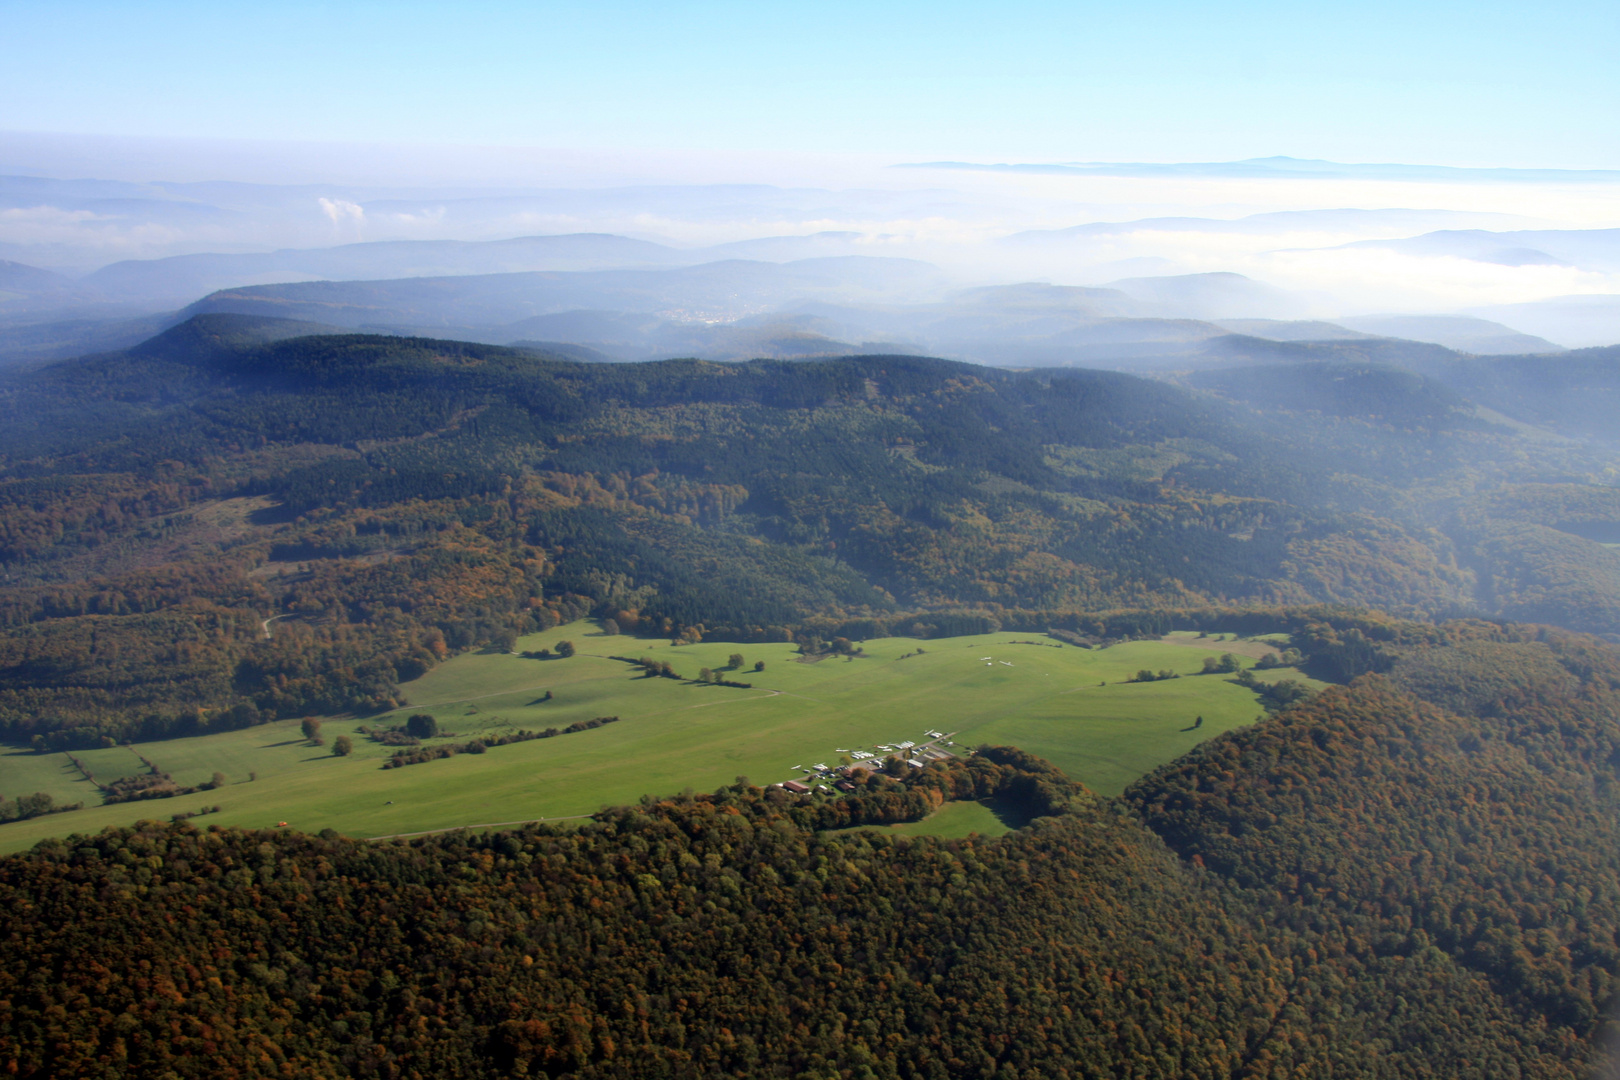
1477 83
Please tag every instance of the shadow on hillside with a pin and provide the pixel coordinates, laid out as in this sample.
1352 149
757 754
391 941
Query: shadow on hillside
1013 815
277 514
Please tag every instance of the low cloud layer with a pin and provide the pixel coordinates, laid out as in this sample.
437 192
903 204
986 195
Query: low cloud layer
1341 243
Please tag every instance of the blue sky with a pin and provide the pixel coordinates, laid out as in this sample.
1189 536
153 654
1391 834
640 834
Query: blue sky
1442 83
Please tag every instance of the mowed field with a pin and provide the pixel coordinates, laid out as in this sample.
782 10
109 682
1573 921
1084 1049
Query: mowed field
1067 704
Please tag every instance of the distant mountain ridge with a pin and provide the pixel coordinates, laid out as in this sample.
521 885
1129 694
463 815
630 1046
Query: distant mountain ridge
409 485
183 278
1597 249
712 302
1461 332
1578 321
1277 221
738 310
709 292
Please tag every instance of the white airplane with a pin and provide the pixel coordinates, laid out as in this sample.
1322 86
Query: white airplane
1007 662
986 658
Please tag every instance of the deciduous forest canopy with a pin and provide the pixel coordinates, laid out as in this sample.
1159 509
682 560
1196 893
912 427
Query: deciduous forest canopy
1367 885
388 501
1411 873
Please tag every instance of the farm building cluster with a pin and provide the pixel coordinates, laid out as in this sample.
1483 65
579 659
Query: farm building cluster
909 751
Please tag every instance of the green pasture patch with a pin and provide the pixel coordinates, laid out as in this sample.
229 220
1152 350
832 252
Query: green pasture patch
23 772
671 735
953 821
1254 646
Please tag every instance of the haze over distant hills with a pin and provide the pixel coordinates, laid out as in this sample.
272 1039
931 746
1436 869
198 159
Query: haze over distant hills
726 271
254 515
1460 332
182 278
858 543
728 309
1286 167
1275 223
1597 249
737 309
1579 321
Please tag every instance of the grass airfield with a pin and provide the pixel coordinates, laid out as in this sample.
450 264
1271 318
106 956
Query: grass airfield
1067 704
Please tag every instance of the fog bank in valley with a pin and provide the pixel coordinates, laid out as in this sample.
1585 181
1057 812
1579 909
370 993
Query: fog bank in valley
100 230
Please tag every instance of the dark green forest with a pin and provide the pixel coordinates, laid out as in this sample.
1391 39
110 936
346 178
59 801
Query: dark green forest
1414 873
390 501
1371 884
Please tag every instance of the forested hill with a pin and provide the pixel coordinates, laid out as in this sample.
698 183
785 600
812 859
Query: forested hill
395 499
1412 876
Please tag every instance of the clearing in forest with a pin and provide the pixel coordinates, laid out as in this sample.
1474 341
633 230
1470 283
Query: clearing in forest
1071 705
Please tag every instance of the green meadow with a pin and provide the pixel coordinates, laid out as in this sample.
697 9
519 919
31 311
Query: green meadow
953 821
1067 704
